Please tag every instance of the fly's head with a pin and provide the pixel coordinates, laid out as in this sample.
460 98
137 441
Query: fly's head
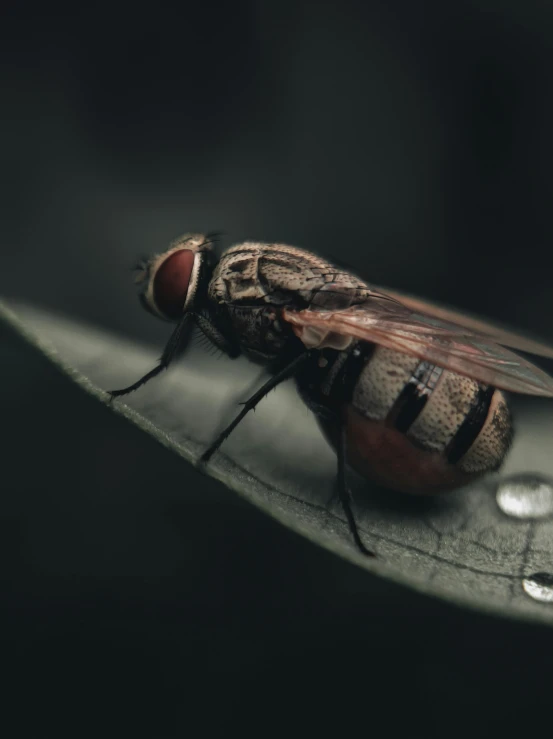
175 282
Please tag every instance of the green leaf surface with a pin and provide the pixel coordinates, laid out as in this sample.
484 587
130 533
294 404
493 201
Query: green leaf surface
461 546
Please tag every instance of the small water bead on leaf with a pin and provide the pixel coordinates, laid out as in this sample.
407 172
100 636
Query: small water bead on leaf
525 496
539 586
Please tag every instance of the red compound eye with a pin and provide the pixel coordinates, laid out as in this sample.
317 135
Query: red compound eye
171 282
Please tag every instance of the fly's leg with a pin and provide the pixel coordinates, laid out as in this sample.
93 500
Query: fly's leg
177 342
244 393
344 493
284 373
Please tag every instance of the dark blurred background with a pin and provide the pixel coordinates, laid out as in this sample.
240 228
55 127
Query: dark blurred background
411 140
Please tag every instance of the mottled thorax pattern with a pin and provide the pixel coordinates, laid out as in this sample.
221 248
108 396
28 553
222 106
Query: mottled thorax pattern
280 274
253 281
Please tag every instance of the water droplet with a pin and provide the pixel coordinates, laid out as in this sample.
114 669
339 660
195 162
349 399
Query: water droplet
539 586
525 496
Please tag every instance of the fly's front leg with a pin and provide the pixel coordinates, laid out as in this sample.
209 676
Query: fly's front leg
287 371
344 493
178 341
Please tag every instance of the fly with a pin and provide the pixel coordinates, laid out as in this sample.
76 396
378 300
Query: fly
407 393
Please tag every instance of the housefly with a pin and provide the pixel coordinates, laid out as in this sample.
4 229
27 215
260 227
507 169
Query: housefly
408 394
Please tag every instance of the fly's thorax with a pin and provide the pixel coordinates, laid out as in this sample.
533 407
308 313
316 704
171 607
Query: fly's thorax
258 329
279 274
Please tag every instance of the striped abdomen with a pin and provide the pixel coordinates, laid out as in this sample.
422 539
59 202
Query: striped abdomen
419 428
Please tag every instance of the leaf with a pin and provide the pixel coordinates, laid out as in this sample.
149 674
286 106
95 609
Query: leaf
461 547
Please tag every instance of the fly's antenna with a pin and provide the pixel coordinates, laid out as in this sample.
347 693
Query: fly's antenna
140 264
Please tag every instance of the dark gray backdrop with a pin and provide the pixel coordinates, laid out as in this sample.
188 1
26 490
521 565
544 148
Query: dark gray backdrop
410 140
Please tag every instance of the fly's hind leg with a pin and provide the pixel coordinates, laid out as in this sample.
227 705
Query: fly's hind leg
341 489
344 493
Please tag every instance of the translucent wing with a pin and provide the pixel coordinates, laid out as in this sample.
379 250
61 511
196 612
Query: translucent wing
499 334
385 321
